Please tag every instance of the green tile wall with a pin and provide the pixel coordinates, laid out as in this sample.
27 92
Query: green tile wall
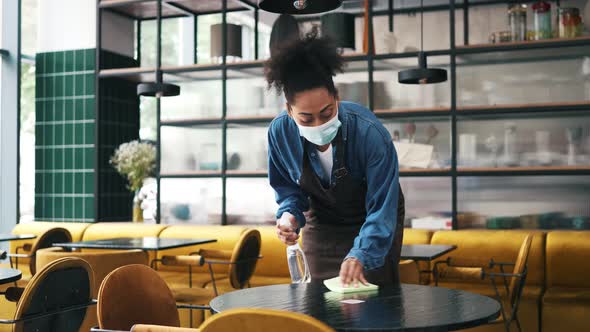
65 148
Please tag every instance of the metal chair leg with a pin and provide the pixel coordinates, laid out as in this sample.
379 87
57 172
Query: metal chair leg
517 323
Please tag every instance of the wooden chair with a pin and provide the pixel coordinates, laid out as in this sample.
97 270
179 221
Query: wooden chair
136 294
56 298
46 240
102 262
249 320
513 287
241 263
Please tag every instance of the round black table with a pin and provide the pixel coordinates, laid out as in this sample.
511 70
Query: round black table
403 308
8 275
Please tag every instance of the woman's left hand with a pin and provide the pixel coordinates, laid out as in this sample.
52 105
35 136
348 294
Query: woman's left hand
351 273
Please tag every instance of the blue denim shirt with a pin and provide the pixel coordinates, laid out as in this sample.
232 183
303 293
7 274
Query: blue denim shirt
370 155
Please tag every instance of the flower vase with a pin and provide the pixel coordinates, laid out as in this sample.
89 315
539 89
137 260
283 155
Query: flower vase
137 211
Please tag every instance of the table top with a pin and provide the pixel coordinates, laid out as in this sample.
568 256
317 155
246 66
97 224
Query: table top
425 252
12 237
407 307
142 243
8 275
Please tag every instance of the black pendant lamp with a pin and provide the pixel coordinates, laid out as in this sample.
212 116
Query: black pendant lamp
158 88
422 74
297 7
340 27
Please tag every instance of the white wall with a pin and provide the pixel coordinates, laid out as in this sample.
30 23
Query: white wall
71 25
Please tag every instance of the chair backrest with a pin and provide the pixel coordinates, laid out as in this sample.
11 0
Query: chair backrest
135 294
54 235
62 284
102 262
245 255
516 284
263 320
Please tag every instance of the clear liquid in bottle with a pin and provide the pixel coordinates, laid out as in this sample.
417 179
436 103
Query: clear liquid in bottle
298 267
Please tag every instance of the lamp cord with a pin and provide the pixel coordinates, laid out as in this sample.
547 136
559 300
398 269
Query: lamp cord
422 25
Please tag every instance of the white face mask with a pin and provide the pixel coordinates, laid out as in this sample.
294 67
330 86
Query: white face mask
322 134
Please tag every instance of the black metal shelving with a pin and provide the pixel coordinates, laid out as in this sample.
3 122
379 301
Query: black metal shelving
465 55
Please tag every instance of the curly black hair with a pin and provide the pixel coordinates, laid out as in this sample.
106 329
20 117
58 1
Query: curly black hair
304 64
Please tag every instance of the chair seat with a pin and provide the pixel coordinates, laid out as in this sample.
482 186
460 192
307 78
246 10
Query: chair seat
528 293
178 279
199 296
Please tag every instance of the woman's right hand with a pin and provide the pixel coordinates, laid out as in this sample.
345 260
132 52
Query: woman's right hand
286 227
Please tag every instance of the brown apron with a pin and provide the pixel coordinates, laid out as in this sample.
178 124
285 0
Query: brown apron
335 218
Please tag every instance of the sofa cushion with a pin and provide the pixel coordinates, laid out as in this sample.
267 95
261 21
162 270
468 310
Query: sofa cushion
38 228
568 254
477 247
528 311
110 230
566 309
417 236
226 236
274 255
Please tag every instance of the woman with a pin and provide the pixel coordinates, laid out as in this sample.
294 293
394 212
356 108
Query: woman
334 170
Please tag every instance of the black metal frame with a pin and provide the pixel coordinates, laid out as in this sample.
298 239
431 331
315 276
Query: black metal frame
506 320
210 264
454 113
48 314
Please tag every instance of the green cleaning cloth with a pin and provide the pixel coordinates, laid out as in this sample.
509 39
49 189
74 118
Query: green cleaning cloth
335 286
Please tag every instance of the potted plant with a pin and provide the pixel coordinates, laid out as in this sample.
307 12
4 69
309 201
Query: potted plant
136 161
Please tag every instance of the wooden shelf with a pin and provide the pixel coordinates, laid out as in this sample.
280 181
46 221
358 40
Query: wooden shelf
554 42
238 173
425 171
250 119
524 170
191 174
142 9
524 108
135 74
190 122
413 111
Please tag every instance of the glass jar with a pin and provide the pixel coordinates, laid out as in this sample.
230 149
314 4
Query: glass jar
542 20
570 22
517 21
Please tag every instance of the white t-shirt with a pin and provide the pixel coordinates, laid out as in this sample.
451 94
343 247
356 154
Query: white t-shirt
327 161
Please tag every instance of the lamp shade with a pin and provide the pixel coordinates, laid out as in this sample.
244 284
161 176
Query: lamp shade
298 6
157 89
284 29
422 74
340 27
234 40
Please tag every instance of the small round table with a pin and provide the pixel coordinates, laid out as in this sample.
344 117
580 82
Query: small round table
403 308
8 275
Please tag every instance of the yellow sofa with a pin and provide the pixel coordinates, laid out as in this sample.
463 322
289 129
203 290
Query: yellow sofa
557 291
476 247
566 303
38 228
